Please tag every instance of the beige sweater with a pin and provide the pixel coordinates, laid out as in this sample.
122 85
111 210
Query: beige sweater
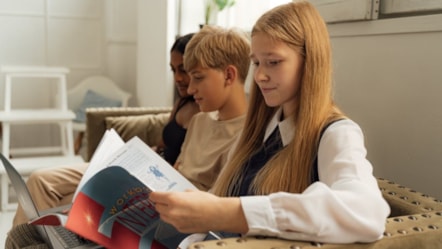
206 146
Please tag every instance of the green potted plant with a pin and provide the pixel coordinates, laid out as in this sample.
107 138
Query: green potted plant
213 7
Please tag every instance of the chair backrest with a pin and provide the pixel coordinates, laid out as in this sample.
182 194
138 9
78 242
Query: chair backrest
99 84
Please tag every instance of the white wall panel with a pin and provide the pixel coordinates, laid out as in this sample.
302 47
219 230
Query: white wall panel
390 84
75 8
121 44
50 32
122 67
22 40
74 43
32 7
122 20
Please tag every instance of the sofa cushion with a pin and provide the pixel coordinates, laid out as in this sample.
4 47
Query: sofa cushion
93 99
147 127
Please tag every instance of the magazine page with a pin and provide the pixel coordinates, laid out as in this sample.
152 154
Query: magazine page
149 167
112 207
110 143
50 219
56 216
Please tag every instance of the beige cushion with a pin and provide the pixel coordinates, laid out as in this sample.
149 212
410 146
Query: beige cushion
147 127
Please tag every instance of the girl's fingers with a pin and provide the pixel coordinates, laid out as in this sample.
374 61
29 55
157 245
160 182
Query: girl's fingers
158 197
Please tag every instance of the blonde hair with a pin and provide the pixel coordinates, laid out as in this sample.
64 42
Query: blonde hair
215 47
300 26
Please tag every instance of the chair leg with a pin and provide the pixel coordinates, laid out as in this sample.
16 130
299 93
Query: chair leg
78 142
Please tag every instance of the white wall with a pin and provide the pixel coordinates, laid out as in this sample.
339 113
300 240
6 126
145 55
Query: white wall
389 79
121 44
156 33
88 36
55 33
46 32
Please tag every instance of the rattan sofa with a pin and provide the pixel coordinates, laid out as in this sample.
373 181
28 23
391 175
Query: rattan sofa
415 221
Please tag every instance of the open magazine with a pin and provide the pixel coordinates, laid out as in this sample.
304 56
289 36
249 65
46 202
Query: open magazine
111 205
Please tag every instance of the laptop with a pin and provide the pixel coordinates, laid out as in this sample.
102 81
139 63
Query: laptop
56 237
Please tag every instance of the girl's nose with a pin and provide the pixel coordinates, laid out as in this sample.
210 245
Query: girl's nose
259 74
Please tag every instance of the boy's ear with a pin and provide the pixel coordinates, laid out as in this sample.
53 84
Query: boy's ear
230 73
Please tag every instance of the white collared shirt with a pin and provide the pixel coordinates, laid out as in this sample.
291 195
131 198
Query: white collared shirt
344 206
286 128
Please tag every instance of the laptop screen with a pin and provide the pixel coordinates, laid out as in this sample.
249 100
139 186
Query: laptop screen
22 192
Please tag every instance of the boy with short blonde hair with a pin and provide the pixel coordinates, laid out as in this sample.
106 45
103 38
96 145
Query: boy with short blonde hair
217 61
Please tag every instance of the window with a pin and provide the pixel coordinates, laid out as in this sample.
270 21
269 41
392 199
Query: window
359 10
409 7
347 10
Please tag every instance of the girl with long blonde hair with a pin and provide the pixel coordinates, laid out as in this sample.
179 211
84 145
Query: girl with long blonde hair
299 169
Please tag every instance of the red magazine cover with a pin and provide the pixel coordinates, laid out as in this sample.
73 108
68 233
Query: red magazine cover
118 215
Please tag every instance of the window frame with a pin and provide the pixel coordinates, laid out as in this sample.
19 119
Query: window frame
347 10
339 11
391 8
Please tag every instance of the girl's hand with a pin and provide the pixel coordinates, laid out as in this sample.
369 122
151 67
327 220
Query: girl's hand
197 211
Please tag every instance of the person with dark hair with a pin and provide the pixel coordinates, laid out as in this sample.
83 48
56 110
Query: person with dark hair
184 108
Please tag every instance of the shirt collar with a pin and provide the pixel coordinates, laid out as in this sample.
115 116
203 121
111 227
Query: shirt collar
286 127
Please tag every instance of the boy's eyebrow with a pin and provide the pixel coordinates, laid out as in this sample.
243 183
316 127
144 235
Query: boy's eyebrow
193 72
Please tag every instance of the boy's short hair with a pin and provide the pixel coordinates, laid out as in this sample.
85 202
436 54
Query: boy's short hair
216 47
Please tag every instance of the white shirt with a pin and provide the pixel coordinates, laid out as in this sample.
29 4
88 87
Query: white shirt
344 206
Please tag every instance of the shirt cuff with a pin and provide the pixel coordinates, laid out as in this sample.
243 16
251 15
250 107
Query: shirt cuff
259 215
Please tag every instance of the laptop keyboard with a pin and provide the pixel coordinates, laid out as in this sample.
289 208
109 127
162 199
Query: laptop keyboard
68 238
